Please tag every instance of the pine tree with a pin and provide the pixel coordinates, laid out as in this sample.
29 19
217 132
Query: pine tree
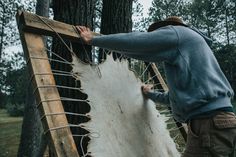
116 18
160 9
75 12
6 15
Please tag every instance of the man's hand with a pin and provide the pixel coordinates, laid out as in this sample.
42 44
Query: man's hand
85 33
146 88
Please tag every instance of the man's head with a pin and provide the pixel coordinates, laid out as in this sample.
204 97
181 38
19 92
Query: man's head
172 20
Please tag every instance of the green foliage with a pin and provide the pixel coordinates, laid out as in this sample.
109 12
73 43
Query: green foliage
234 105
16 88
8 30
13 82
139 22
214 17
16 85
3 98
226 57
162 9
217 18
9 134
3 69
12 66
203 15
15 110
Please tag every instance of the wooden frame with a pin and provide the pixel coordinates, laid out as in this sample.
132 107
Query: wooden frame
47 97
31 27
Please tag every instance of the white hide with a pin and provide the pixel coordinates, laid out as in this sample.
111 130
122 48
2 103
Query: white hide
123 123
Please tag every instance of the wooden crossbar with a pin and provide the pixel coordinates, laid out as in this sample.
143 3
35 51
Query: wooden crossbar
33 23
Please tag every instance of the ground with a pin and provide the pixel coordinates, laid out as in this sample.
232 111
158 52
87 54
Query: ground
9 134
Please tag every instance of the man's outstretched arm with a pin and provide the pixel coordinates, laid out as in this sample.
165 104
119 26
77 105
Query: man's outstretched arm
159 45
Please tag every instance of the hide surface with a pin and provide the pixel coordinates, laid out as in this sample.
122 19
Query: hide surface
123 123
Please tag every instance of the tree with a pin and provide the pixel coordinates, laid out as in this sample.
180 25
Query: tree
139 22
12 83
228 19
6 14
160 9
214 17
75 12
116 18
16 83
4 66
10 46
8 33
226 57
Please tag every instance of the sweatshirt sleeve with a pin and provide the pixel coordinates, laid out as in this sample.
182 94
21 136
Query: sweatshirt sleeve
161 97
158 45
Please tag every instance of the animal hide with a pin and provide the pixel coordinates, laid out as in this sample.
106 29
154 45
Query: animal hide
123 123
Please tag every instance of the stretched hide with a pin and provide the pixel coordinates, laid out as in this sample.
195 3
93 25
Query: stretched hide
123 123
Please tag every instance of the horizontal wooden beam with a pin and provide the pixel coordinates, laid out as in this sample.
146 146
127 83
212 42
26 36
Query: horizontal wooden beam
33 23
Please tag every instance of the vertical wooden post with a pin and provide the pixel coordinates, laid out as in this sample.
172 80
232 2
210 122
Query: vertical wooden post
47 97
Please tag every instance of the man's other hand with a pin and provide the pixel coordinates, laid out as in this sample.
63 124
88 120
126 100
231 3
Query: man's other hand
146 88
85 33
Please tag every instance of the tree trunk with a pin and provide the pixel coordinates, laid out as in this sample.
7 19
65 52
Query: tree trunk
31 128
33 142
227 24
42 8
75 12
2 30
116 18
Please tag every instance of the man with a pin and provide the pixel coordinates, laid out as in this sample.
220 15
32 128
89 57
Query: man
199 93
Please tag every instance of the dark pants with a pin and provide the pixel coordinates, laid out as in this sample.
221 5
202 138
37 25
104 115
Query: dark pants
212 137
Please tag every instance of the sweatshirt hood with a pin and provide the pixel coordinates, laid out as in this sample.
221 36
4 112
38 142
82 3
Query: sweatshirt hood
207 39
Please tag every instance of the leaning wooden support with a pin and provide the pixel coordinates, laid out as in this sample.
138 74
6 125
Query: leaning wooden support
47 97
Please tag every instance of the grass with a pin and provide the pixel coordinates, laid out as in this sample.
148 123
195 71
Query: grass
9 134
10 130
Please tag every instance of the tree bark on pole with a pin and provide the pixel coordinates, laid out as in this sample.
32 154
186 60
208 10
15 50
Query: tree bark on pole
75 12
2 28
116 18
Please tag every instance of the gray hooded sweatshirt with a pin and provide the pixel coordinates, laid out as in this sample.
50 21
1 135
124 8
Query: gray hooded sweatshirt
196 83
